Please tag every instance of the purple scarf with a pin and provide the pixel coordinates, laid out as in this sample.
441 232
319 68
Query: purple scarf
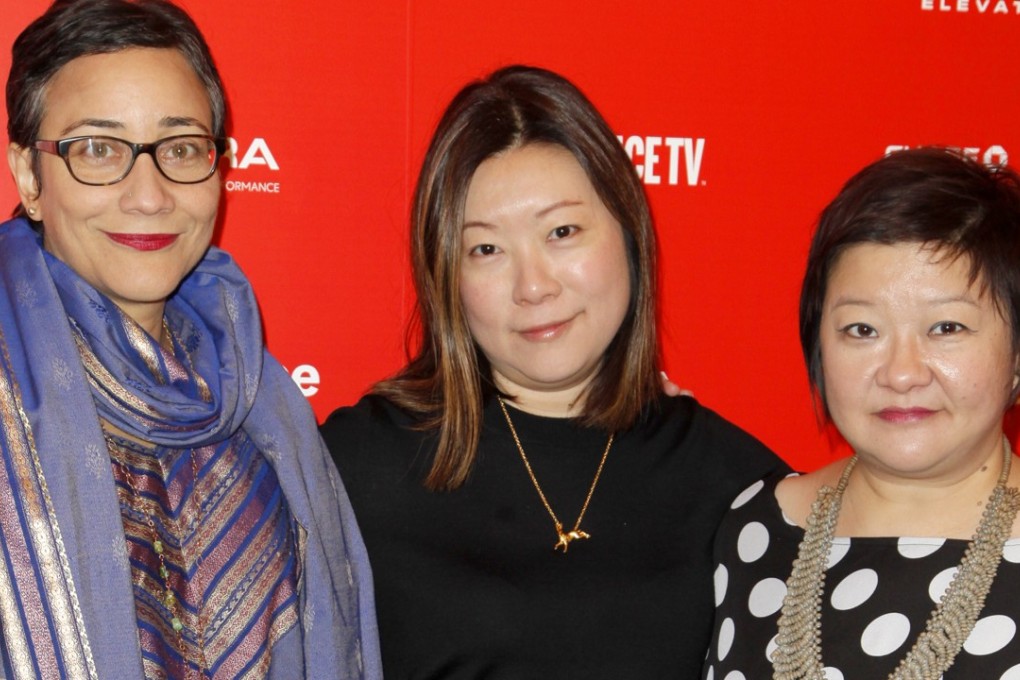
66 603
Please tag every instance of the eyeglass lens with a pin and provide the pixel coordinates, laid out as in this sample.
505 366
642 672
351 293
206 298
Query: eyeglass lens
102 160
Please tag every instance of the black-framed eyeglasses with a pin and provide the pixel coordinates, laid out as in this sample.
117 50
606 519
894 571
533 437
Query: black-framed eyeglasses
99 161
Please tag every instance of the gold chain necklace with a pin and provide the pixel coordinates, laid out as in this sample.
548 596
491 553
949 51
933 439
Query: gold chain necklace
565 537
798 655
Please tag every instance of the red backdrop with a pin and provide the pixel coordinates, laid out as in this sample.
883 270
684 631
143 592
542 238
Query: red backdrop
744 118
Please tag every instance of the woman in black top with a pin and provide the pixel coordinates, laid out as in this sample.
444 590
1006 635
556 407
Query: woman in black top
531 505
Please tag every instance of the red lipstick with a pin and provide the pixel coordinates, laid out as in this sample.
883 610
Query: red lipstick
144 242
904 415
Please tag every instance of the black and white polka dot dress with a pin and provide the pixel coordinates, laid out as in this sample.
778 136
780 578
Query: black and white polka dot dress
879 593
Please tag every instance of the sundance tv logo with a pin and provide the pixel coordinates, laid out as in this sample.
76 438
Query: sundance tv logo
993 156
978 6
256 154
666 160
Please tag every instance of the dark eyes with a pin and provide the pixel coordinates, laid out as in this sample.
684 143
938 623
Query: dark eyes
863 330
563 231
484 249
859 330
947 328
558 234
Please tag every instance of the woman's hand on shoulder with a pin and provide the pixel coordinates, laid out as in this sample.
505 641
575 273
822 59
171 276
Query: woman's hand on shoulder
672 389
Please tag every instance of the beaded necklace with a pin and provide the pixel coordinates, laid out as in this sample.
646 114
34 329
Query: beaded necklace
169 596
136 504
798 655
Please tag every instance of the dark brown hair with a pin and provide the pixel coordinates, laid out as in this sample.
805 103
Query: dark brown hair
931 196
76 28
448 379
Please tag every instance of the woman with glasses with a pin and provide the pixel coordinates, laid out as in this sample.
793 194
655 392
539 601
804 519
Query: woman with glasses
167 507
532 505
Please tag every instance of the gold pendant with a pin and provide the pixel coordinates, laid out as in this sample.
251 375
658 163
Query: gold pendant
566 538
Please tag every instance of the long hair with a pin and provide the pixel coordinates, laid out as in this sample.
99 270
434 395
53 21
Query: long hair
77 28
448 379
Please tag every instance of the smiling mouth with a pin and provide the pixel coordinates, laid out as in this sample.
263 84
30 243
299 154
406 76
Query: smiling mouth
904 415
145 242
545 332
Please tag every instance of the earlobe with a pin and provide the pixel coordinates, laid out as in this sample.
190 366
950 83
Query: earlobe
1016 379
19 159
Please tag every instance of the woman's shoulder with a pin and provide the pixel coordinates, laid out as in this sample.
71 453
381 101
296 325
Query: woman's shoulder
377 446
797 493
700 428
705 445
758 501
686 416
370 408
371 424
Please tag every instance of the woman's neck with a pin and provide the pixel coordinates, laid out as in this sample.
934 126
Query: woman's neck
879 504
148 315
567 403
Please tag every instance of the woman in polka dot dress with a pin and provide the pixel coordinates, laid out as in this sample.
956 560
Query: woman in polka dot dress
902 561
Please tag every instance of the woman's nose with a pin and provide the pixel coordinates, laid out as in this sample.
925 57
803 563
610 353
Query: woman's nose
145 189
535 280
905 365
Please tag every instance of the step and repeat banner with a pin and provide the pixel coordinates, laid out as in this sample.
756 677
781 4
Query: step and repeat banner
742 118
